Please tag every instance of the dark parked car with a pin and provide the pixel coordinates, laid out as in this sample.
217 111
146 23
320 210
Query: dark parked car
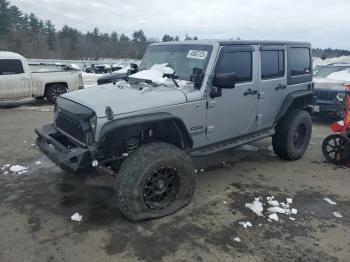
329 92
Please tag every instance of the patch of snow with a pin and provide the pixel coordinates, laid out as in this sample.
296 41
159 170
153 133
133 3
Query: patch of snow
277 210
6 172
155 73
337 214
224 202
294 211
76 217
256 207
38 163
273 203
292 218
245 224
125 154
7 165
284 205
18 169
329 201
274 217
249 148
289 200
237 239
202 170
75 67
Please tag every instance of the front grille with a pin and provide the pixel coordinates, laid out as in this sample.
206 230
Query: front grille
71 126
325 95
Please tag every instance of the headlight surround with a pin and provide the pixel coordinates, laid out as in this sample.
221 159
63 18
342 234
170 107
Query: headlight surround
93 122
340 97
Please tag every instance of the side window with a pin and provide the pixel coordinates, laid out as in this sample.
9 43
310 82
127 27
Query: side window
239 62
272 64
11 67
300 62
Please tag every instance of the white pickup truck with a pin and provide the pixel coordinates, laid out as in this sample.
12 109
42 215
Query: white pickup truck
18 83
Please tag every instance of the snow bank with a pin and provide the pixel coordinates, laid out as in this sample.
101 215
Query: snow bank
75 67
342 59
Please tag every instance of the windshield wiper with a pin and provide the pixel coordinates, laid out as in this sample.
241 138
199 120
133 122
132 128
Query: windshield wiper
173 77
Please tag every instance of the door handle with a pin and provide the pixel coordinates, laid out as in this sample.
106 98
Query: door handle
280 87
250 92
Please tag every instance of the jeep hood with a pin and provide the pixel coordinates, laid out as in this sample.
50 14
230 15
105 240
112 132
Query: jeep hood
126 98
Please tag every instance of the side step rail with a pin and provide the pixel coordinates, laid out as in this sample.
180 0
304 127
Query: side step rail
233 143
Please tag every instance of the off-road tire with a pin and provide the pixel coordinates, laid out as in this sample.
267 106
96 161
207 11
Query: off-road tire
284 143
136 171
55 91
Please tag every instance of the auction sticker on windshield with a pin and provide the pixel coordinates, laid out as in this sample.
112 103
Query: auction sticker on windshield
197 54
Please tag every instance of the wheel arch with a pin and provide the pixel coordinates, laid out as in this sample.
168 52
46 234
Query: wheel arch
48 85
166 127
300 99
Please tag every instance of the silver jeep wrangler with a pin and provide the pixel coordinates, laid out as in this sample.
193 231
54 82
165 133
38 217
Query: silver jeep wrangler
186 99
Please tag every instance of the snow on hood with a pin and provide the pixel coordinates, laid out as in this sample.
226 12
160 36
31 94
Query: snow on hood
155 73
340 77
343 76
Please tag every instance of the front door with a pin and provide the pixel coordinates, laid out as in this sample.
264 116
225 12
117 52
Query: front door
15 83
273 84
233 114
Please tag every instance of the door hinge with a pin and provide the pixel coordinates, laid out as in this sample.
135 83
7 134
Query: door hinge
211 104
210 129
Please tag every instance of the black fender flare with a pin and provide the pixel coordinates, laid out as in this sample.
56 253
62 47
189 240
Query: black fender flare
290 100
150 118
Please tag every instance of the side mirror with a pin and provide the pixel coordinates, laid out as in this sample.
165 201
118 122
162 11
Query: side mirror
225 80
134 68
197 77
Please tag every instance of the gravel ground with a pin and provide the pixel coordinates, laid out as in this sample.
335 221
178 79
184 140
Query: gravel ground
36 207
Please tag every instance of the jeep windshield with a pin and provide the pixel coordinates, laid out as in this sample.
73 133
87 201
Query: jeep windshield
182 58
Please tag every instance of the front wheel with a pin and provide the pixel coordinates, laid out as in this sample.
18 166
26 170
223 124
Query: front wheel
156 180
336 149
293 134
55 91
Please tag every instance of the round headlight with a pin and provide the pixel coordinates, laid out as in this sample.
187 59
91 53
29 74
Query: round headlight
340 97
93 122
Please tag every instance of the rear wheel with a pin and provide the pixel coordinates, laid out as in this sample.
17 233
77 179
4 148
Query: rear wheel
336 149
293 134
156 180
55 91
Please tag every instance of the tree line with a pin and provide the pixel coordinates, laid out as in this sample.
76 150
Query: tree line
35 38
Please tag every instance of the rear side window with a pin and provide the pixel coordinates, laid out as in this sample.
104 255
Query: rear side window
239 62
300 62
272 64
11 67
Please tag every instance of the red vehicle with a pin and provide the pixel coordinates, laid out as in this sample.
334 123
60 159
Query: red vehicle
336 147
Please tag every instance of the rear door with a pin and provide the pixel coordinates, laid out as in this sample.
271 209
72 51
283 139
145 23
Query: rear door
273 84
233 114
15 83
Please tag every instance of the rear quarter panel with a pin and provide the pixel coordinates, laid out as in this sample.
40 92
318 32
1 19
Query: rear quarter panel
41 79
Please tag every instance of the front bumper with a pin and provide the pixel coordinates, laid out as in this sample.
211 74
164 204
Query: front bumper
60 150
332 110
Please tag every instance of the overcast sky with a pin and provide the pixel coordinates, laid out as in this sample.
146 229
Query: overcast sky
324 23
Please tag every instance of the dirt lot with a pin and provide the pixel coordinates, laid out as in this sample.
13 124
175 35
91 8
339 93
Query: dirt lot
36 207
